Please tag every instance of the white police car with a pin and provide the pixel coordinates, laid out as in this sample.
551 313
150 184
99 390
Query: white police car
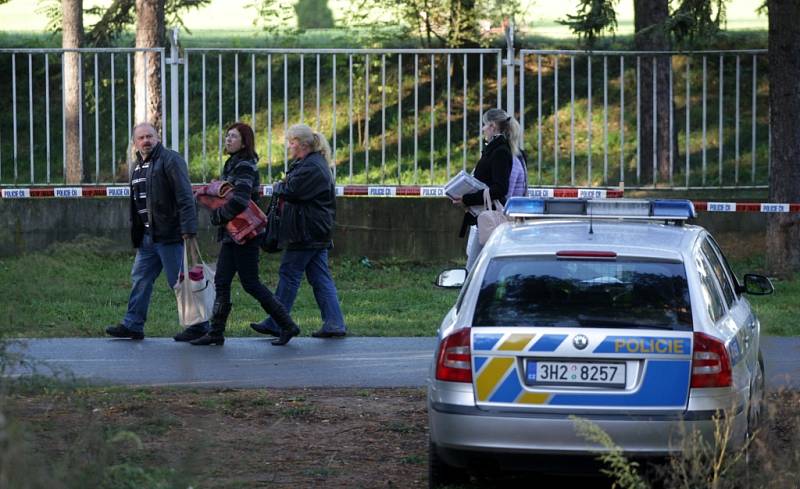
611 310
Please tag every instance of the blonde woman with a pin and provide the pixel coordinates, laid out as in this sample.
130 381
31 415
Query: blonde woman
501 133
307 222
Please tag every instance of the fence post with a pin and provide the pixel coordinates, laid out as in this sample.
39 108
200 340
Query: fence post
510 67
174 96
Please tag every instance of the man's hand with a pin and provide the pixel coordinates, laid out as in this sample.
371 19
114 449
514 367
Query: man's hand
188 236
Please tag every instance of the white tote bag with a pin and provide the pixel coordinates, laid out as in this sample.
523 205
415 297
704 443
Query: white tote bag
195 288
489 219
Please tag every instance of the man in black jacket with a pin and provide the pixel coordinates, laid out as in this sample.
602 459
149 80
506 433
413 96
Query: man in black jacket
163 216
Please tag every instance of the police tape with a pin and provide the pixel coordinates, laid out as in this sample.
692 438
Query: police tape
341 191
745 207
401 191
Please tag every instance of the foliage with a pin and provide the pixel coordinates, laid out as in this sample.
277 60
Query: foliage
593 18
275 17
624 472
117 18
452 23
313 14
692 22
766 458
697 20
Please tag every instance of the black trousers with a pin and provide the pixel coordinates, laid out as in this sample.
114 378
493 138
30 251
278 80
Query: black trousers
241 259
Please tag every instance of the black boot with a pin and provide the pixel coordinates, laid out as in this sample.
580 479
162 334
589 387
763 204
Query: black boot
218 319
266 327
282 318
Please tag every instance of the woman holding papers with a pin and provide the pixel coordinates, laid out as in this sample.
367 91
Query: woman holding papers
502 135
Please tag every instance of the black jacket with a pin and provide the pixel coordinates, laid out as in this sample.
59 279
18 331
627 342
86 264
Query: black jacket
309 210
170 203
241 172
493 169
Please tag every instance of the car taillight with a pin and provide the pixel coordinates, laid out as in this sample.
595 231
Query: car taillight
454 362
711 365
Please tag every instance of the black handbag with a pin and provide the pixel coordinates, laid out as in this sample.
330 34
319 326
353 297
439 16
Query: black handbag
271 240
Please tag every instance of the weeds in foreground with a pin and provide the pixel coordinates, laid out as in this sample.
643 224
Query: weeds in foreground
625 473
715 460
90 455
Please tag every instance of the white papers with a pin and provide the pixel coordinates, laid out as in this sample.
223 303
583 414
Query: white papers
464 183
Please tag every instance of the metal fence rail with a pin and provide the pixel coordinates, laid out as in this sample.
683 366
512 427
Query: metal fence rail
405 116
718 107
32 94
400 116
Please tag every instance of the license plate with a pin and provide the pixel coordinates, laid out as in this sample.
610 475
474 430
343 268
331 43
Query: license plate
575 373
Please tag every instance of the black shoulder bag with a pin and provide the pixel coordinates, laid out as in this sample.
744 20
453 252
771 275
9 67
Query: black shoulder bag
270 243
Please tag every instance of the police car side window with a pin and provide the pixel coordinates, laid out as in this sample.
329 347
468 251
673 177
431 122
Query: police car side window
710 289
729 271
719 272
463 291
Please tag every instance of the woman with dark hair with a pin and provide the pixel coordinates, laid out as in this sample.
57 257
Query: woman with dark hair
240 171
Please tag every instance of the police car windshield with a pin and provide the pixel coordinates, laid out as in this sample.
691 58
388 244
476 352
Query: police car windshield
545 291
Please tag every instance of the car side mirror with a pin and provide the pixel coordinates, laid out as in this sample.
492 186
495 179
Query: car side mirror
755 284
452 279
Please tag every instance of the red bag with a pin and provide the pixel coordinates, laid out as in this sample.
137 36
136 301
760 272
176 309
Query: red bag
246 225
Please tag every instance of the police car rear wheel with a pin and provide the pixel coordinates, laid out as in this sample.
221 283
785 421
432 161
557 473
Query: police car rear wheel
754 410
439 473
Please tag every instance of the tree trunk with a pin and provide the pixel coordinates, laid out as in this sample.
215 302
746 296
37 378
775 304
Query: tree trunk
783 230
72 11
650 17
463 24
150 33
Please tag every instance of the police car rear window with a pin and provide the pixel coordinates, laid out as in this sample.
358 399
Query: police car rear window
622 293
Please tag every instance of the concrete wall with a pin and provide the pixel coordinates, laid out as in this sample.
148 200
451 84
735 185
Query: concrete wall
415 228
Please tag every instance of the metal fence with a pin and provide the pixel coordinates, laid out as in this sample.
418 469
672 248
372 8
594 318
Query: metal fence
404 116
33 115
717 112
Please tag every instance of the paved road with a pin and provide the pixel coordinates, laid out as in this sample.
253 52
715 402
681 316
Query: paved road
305 362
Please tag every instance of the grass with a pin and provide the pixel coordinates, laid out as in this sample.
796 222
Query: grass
78 288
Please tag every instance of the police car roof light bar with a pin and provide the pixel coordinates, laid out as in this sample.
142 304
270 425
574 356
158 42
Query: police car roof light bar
659 209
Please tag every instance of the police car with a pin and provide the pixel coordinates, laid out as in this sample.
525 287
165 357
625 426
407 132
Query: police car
616 311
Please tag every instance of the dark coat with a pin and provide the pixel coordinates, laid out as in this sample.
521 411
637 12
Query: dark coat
309 209
241 172
493 169
170 203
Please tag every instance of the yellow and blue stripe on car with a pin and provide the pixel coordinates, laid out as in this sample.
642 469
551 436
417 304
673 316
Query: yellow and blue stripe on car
497 378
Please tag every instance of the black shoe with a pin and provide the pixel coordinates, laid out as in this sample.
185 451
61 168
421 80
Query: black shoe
286 335
328 334
188 334
120 331
264 328
209 339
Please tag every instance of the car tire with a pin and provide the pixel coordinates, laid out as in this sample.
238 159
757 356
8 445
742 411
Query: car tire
757 393
755 408
440 474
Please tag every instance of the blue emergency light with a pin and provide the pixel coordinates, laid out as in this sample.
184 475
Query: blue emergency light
659 209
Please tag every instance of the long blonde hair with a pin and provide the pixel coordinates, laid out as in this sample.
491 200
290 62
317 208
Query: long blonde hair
310 139
507 126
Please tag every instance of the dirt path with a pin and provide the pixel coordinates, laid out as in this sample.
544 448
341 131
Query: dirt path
115 438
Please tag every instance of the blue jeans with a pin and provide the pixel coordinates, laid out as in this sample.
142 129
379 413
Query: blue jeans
315 265
151 258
